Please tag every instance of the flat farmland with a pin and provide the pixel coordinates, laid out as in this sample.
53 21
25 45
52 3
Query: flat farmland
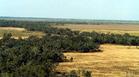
114 61
104 28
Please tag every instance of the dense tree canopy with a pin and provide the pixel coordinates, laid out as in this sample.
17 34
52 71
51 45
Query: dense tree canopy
27 58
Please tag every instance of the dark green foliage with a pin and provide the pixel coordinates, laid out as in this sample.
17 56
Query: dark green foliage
77 73
30 25
73 74
87 73
27 58
7 36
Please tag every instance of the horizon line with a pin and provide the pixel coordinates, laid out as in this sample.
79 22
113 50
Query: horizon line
66 18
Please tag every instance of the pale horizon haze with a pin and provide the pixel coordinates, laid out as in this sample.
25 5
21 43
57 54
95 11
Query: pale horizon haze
76 9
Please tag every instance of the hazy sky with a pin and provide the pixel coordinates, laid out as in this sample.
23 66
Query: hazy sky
78 9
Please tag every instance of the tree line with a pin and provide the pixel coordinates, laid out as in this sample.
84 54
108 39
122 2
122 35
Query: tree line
68 40
38 57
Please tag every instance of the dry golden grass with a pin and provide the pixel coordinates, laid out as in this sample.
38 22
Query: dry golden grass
19 32
12 28
114 61
110 28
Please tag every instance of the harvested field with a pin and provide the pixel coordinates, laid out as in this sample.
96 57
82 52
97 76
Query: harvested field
114 61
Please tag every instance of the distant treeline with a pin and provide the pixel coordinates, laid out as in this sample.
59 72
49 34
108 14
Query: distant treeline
69 21
24 24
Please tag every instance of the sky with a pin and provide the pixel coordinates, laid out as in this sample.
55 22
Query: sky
76 9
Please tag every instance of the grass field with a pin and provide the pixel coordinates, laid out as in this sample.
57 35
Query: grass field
109 28
19 32
114 61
